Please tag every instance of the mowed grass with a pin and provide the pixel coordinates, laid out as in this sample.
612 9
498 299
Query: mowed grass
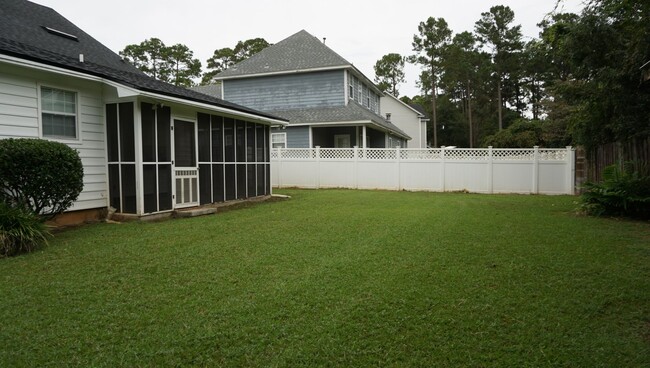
338 278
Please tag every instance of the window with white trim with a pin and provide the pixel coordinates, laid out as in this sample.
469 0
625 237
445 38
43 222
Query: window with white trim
279 140
58 113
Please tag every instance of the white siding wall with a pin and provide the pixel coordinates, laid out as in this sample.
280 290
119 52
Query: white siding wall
19 118
405 119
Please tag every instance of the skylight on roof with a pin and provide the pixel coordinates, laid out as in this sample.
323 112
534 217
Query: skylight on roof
61 33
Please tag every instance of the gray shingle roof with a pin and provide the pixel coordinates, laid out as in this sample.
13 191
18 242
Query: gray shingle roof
300 51
22 35
213 90
353 112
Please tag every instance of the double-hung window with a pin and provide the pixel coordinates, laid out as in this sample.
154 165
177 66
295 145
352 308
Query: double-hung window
279 140
58 113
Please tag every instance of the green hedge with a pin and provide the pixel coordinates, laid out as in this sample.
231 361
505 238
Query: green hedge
42 176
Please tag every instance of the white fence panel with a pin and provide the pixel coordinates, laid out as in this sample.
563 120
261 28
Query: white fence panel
542 171
469 176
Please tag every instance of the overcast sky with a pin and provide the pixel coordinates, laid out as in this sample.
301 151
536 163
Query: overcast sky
360 31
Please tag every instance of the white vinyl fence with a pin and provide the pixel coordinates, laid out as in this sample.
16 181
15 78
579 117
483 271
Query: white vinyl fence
480 170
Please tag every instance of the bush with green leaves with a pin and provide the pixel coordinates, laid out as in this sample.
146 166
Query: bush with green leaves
44 177
624 191
21 231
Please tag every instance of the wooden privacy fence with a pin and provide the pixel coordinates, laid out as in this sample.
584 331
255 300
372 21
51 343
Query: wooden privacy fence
481 170
634 149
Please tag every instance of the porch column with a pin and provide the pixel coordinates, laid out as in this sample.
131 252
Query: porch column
363 137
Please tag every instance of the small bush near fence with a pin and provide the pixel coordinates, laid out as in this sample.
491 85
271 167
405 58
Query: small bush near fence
20 231
624 191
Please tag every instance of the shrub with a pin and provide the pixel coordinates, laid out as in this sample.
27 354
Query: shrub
521 133
42 176
624 191
20 231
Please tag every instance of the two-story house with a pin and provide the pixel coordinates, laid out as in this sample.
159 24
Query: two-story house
327 100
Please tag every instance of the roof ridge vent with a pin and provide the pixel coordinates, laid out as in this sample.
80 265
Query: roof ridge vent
56 32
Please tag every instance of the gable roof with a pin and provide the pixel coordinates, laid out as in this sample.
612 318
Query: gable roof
417 109
37 33
352 112
300 51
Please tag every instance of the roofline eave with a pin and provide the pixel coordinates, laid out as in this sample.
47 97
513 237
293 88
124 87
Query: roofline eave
356 122
124 91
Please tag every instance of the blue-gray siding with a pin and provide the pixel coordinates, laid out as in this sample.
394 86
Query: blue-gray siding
297 137
292 91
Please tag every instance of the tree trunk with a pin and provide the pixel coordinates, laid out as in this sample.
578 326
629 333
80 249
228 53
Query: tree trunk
500 104
433 111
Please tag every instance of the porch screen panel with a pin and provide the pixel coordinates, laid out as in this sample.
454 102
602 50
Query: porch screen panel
111 133
230 181
259 142
150 188
241 181
148 115
240 139
205 183
204 137
164 187
229 139
114 186
267 138
128 188
163 125
250 142
184 145
261 180
218 183
217 138
251 174
127 135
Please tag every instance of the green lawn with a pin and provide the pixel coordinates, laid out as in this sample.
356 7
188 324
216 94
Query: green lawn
339 278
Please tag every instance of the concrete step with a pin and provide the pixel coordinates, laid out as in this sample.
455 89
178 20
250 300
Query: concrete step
193 212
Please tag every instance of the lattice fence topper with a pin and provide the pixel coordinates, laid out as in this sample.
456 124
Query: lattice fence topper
553 154
378 154
513 154
455 154
467 154
420 154
337 153
297 153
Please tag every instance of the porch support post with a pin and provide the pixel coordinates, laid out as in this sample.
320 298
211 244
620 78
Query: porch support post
363 135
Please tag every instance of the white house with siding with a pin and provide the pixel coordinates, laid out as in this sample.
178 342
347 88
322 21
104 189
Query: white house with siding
407 118
146 146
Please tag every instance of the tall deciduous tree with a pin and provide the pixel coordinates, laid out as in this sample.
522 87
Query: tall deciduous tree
431 44
150 57
389 73
504 41
603 51
183 68
171 64
461 65
226 57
